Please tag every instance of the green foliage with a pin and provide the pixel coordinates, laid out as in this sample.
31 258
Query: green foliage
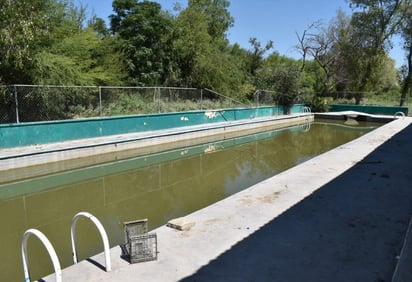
145 34
80 59
192 42
281 75
319 104
373 25
216 14
255 57
52 42
21 28
406 34
203 56
351 52
311 78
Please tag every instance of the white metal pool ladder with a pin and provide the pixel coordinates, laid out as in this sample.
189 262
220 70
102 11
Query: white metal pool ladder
401 114
306 110
52 252
102 234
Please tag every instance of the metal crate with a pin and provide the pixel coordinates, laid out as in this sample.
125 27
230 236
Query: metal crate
139 245
143 248
135 227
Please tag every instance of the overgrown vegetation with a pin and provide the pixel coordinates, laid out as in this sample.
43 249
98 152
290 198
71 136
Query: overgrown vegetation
52 42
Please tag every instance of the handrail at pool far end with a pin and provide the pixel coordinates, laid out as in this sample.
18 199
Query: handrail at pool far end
306 109
401 114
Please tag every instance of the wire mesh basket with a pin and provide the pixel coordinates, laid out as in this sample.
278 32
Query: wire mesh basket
139 245
135 227
143 248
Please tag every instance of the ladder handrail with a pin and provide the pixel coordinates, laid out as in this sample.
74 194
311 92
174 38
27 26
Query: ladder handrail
102 233
402 114
306 110
50 250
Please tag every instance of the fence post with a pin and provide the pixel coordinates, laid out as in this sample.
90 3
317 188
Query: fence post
201 98
257 97
16 102
100 102
158 99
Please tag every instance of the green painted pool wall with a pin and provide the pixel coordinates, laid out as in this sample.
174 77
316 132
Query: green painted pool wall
375 110
32 133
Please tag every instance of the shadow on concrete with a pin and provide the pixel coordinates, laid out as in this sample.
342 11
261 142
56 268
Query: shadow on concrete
351 229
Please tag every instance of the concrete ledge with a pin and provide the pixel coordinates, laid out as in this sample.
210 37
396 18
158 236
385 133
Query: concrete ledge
360 116
336 217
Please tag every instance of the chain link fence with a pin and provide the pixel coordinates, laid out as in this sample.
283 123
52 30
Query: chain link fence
25 103
367 98
7 105
138 100
28 103
268 98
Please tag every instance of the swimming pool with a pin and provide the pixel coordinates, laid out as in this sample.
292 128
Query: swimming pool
158 187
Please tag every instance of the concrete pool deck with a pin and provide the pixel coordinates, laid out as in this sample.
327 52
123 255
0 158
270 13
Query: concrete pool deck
341 216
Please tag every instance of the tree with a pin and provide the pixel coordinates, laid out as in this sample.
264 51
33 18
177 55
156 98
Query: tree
192 41
328 46
281 75
99 27
311 78
406 32
373 22
80 59
29 30
352 52
256 54
71 54
217 16
145 37
22 26
202 53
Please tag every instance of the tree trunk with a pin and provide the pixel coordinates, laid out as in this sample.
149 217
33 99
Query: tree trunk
365 78
407 83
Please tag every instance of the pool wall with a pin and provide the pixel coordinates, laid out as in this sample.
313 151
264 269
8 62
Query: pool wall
34 133
162 132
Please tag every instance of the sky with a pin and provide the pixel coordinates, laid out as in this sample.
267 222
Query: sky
275 20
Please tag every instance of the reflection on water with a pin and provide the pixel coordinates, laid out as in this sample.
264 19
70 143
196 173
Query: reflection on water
158 187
